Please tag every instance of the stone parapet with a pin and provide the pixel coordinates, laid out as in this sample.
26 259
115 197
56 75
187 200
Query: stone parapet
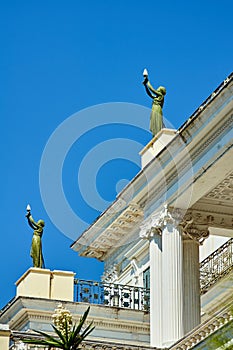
43 283
4 336
156 145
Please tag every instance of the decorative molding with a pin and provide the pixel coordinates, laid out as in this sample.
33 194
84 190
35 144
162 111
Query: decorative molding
205 219
193 230
111 274
158 220
188 160
86 344
115 234
223 191
205 330
135 270
29 315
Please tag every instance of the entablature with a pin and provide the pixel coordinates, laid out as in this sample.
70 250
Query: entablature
192 164
115 235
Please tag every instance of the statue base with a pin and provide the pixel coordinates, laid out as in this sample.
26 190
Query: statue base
43 283
4 337
155 146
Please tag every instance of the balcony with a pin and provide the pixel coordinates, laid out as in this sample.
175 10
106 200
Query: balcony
112 295
212 269
216 265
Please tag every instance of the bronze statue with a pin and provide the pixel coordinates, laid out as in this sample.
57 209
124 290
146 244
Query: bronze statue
36 247
156 117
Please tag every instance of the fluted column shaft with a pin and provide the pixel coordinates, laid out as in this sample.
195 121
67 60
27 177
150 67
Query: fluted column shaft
172 271
191 284
156 290
174 274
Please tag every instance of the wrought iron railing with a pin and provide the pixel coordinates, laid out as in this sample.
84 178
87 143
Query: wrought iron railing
212 269
216 265
111 294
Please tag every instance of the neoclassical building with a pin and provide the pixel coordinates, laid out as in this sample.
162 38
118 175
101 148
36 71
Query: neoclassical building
167 246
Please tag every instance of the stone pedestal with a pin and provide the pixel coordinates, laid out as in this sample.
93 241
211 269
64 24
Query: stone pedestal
43 283
158 142
4 337
62 285
34 282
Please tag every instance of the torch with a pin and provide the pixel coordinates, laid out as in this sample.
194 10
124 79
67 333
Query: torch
28 210
145 74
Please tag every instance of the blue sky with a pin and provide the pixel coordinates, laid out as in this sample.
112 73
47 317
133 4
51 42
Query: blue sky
58 58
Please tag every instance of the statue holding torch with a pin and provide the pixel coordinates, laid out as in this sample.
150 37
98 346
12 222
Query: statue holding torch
36 247
156 117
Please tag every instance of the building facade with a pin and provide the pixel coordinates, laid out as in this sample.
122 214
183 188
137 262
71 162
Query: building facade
154 292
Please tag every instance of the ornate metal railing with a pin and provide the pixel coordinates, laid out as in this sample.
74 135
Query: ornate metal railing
111 294
212 269
216 265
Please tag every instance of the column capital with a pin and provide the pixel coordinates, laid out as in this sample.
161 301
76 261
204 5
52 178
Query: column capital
158 220
195 230
147 231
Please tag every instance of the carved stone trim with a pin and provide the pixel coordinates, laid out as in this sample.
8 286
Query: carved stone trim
197 231
158 220
111 274
40 316
86 344
115 234
223 191
190 159
205 330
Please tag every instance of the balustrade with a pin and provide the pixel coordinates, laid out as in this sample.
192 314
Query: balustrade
111 294
216 265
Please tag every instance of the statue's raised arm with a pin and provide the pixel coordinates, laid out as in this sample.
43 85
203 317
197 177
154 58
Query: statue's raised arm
156 117
36 247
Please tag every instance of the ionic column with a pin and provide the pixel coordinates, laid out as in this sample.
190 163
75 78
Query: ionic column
151 231
172 278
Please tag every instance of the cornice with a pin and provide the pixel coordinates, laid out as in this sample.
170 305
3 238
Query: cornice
197 137
203 331
94 344
115 235
186 163
28 315
209 218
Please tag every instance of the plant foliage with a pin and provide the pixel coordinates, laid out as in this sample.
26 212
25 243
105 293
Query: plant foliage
68 339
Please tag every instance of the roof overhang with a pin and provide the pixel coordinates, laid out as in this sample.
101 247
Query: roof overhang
192 164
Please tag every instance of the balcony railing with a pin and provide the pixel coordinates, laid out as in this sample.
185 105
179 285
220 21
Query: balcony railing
111 294
212 269
216 265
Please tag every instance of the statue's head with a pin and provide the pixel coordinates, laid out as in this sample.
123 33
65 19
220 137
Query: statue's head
162 89
41 223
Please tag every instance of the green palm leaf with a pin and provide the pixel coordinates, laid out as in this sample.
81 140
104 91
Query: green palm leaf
59 333
68 341
50 339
